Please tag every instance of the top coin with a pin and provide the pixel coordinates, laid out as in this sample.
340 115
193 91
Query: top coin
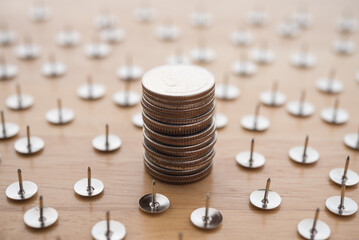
178 81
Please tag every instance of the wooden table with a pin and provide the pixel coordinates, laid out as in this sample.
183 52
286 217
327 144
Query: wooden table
68 150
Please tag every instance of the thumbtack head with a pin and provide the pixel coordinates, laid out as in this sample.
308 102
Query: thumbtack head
106 142
29 145
226 91
33 219
344 175
13 190
19 101
304 154
91 90
83 189
341 205
100 230
250 159
147 205
60 115
265 199
255 122
321 230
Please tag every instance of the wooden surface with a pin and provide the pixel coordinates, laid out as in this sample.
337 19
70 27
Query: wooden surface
68 150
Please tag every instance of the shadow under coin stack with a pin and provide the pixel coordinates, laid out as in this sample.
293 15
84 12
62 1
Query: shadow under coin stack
179 133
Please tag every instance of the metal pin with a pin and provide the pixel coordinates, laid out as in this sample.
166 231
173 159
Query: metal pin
28 138
29 144
91 90
273 98
335 115
40 217
90 87
341 205
19 96
250 159
351 140
154 202
41 208
226 91
304 157
126 97
274 92
168 31
300 108
178 57
265 198
304 154
59 107
243 67
309 228
7 37
60 115
108 229
255 122
330 84
202 54
106 142
3 125
7 129
251 154
21 190
88 187
344 175
313 230
53 68
129 72
206 218
28 50
19 101
303 59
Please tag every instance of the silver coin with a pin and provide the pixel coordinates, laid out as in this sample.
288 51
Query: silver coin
296 154
167 32
288 30
68 38
54 116
162 203
117 230
257 18
226 91
39 13
201 19
273 198
178 59
137 120
7 37
351 140
345 47
253 123
303 19
8 71
31 217
81 187
115 35
336 175
11 130
21 145
244 68
105 21
300 109
202 55
329 85
303 60
27 51
53 69
350 206
241 38
214 218
305 226
99 143
97 50
334 116
16 102
126 98
271 98
243 159
130 72
347 25
262 56
91 91
144 14
13 190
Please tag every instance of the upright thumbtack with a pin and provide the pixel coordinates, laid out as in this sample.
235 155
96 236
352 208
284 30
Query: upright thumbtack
28 50
7 71
255 122
39 13
137 120
105 20
91 90
225 90
113 35
347 24
351 140
241 37
313 228
126 97
40 217
108 229
344 175
303 58
335 115
201 18
257 18
262 54
273 98
29 144
341 205
53 68
343 46
168 31
19 101
330 84
302 18
107 142
301 108
264 198
7 129
154 202
220 119
88 187
97 49
21 190
178 57
206 217
129 71
304 154
202 54
250 159
243 67
288 29
7 37
60 115
144 13
68 37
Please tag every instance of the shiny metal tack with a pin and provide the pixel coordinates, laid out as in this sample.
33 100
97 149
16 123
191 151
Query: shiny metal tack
113 35
273 97
53 68
39 13
106 20
257 18
225 90
178 58
303 59
206 217
40 217
168 32
130 71
241 38
304 154
107 142
341 205
201 18
91 90
97 50
301 108
313 229
334 115
288 29
137 120
250 159
27 50
262 55
154 202
29 144
202 54
60 115
144 14
255 122
7 37
21 190
344 175
243 67
347 24
68 37
264 198
302 18
108 229
220 120
7 71
8 129
88 187
19 101
126 98
343 46
351 140
330 84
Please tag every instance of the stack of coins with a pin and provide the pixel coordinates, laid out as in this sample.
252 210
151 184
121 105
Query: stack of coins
179 133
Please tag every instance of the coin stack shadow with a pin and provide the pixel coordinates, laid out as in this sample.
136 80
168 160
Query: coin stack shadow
179 133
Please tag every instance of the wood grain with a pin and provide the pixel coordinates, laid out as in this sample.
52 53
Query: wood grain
68 149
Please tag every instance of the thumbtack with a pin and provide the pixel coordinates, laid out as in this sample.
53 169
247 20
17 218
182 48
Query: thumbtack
126 97
28 50
304 154
91 90
105 20
68 37
343 46
313 229
113 35
60 115
178 57
201 18
137 120
21 190
7 37
53 68
206 217
351 140
257 18
154 202
288 29
202 54
130 71
7 129
107 142
302 18
97 50
225 90
168 32
255 122
264 198
39 13
29 144
330 84
335 115
273 98
344 175
7 71
243 67
88 187
108 229
19 101
347 24
250 159
221 120
262 54
342 205
303 58
300 108
144 14
241 37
